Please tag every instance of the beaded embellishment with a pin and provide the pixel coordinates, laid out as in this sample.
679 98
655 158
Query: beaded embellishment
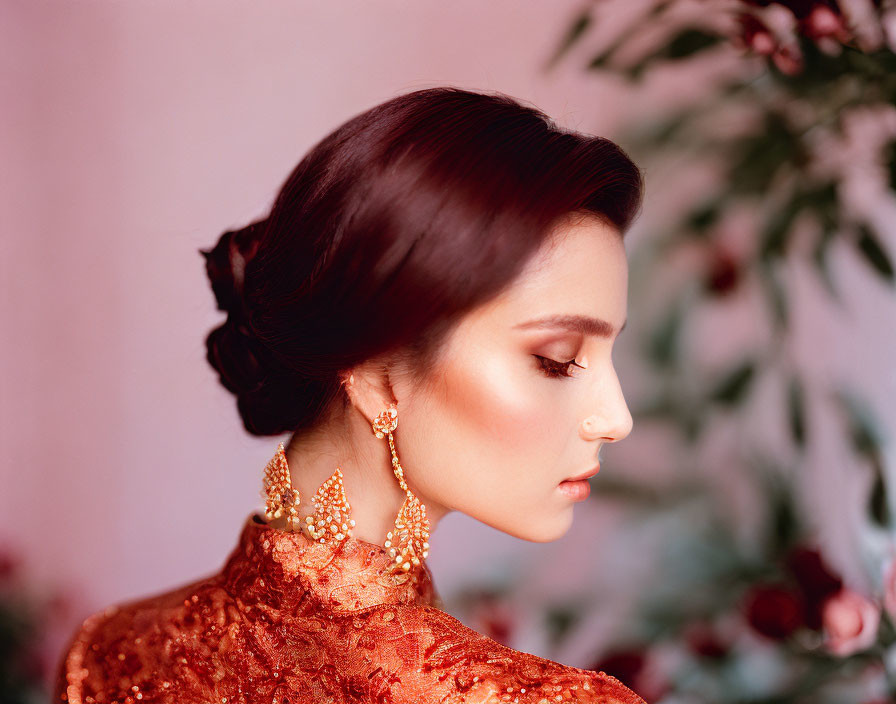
408 543
280 497
331 520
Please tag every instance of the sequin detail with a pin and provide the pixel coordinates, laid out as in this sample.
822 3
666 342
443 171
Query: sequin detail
291 621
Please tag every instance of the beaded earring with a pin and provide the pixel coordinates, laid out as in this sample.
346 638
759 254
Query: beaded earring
408 543
331 520
280 497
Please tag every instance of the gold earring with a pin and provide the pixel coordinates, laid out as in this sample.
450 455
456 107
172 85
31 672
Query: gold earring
408 543
280 497
331 520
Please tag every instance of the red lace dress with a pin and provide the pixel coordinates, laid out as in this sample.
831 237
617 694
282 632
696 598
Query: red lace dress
291 621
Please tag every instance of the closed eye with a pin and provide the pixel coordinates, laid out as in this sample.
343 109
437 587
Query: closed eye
554 369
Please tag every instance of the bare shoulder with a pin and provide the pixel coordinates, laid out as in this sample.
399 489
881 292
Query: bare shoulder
454 663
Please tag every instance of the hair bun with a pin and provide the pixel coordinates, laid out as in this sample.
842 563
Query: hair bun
226 264
232 348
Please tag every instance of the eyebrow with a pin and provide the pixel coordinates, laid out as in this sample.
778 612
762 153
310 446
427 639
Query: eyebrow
575 323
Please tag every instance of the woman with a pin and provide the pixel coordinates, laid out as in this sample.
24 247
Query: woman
449 263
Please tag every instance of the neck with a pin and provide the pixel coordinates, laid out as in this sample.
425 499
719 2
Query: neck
371 486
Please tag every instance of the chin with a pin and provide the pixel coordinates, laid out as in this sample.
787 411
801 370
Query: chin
546 530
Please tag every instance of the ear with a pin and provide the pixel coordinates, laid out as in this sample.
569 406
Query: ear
368 388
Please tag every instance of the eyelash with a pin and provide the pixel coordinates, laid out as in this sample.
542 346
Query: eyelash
554 369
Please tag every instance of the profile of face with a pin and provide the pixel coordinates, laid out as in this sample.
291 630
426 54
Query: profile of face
525 392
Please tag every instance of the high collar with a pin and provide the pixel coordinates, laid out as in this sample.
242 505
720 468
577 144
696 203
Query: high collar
284 568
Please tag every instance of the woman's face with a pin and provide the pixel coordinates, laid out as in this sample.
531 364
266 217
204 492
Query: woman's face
500 424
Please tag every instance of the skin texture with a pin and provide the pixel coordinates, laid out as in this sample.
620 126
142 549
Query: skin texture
490 433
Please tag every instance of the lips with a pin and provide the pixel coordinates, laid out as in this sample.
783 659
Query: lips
589 473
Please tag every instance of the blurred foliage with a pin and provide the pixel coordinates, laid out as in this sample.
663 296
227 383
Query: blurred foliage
752 613
24 658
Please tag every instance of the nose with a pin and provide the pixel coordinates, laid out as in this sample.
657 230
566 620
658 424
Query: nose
612 421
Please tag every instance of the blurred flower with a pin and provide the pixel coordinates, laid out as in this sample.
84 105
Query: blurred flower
493 616
10 564
816 581
850 622
723 272
824 21
624 665
888 24
801 9
755 35
787 60
774 611
818 20
703 640
635 669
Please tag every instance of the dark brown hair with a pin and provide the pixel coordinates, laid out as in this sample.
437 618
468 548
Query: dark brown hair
391 228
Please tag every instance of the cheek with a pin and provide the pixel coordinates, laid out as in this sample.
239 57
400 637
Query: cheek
501 407
490 438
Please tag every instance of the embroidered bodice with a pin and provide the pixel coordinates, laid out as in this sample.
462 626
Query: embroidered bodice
290 621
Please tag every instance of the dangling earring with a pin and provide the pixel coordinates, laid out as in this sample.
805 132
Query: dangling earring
408 543
331 520
280 497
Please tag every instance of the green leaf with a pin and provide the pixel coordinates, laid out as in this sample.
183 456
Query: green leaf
776 235
823 200
777 295
785 522
868 440
796 408
575 32
686 43
659 8
601 60
649 495
734 385
890 157
878 506
559 620
689 42
705 215
864 430
665 130
660 406
822 262
874 254
756 158
664 344
784 526
692 425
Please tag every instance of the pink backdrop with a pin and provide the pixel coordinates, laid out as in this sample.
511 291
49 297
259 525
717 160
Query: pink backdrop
134 134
